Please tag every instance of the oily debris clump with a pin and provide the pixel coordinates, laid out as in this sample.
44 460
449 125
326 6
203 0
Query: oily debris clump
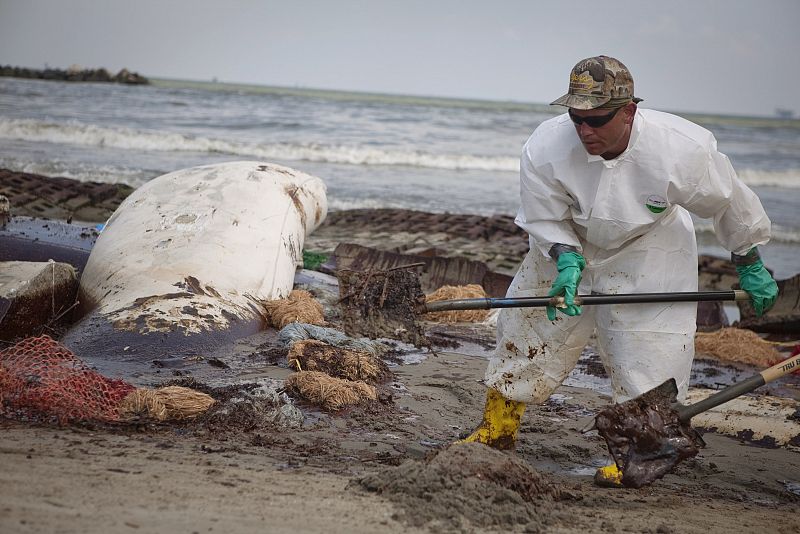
339 362
646 436
382 304
330 393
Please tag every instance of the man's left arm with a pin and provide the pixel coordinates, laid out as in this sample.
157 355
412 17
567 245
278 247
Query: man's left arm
740 224
756 280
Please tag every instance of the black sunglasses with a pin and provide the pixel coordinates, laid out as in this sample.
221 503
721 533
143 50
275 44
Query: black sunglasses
593 122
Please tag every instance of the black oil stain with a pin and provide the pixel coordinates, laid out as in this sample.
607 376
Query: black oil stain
193 285
294 193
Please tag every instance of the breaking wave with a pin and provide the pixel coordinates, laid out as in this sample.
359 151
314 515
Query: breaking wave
786 179
83 172
76 133
144 140
780 234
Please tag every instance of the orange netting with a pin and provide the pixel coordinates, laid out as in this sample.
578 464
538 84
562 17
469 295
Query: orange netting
40 377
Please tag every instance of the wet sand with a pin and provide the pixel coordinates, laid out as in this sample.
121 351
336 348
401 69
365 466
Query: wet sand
330 475
385 467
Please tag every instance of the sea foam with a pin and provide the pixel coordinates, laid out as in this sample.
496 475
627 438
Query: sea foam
145 140
76 133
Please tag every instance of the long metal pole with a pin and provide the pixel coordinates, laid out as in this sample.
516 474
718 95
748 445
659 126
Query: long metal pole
584 300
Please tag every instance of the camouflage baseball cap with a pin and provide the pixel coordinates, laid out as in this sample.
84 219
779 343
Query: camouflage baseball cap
598 82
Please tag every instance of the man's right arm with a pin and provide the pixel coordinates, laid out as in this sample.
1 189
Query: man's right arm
545 208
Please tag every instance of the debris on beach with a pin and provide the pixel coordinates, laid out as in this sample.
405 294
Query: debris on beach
298 307
41 379
737 345
382 304
263 405
646 436
313 355
329 393
169 403
294 332
469 291
388 304
334 371
34 297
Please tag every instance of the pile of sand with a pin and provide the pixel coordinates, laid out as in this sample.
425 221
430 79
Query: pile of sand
470 486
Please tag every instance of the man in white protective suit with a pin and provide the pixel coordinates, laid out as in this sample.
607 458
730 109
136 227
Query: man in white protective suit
607 190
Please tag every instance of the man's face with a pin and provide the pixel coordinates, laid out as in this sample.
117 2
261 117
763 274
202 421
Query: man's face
609 140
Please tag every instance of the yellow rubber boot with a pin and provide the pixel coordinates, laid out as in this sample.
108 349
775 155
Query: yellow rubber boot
608 477
501 421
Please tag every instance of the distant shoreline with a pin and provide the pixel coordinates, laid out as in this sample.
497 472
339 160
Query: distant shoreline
75 74
330 93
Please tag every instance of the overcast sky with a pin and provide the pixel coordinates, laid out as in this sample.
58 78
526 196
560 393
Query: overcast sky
719 56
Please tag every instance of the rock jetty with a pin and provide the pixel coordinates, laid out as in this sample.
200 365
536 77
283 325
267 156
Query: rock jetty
75 74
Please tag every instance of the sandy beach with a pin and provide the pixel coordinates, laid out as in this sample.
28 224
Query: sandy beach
387 466
188 478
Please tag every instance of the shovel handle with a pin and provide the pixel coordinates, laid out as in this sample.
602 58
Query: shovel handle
584 300
746 386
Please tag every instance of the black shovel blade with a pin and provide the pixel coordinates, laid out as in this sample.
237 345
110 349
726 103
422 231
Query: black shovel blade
646 436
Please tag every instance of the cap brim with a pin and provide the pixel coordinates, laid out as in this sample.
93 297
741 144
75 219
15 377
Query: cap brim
580 101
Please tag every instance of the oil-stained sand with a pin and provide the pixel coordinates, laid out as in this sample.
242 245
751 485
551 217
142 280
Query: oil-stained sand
236 471
244 474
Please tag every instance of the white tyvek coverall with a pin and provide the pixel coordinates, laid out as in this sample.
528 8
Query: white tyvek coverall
599 207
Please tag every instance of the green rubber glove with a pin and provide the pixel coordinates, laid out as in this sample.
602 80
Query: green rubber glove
759 284
570 265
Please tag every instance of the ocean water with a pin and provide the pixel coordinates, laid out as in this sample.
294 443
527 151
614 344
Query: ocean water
431 154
